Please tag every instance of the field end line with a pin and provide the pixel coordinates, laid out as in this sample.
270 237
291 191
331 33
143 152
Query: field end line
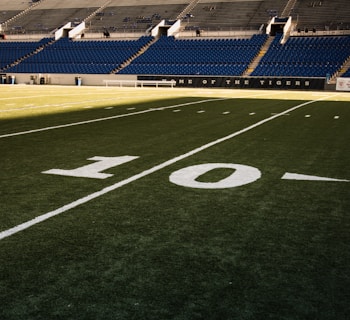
145 173
107 118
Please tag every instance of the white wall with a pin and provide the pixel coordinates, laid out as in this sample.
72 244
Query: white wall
69 79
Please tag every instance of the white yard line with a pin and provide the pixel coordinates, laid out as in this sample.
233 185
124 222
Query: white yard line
36 96
31 107
76 203
107 118
8 135
54 94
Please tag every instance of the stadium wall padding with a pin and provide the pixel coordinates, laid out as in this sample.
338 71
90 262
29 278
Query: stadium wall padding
181 81
243 82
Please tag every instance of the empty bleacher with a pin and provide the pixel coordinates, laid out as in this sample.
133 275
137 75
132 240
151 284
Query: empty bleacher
172 56
11 51
232 15
298 57
49 15
124 15
135 16
85 57
307 55
304 56
322 15
118 15
8 10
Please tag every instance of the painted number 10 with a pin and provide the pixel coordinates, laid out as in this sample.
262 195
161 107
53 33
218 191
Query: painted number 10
187 177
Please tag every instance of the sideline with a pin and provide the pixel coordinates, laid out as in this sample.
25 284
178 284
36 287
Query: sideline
145 173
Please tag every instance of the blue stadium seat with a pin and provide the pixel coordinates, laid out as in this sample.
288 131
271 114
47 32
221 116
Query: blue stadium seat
304 56
197 56
92 57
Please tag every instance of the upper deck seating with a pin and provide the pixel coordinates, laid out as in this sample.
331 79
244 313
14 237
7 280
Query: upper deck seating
232 15
322 14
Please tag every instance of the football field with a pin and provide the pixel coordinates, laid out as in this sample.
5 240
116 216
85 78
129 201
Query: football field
159 203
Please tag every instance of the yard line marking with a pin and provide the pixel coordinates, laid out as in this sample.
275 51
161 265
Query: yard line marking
50 96
107 118
97 194
120 116
64 105
306 177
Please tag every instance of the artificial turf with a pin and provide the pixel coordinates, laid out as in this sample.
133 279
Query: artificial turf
151 249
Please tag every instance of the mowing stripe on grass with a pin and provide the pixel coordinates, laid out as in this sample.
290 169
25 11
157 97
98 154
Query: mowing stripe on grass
32 107
107 118
8 135
145 173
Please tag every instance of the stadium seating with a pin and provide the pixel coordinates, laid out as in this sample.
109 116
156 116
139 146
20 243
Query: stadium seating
298 57
131 15
90 57
322 15
197 57
304 56
233 15
14 50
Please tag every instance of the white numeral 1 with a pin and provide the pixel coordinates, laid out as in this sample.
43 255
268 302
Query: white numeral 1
93 170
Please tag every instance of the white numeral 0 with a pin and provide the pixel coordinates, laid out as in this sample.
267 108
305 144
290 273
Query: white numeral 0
242 175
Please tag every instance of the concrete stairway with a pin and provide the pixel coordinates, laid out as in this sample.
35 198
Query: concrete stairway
345 67
288 8
92 15
188 9
132 58
259 56
18 61
5 25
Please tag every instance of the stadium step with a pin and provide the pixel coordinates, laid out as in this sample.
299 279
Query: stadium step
92 15
131 59
345 67
22 13
259 56
30 54
288 8
188 9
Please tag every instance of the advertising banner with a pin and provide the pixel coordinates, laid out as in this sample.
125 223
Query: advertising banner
343 84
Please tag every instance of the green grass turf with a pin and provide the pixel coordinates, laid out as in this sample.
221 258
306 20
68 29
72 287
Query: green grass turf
272 249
